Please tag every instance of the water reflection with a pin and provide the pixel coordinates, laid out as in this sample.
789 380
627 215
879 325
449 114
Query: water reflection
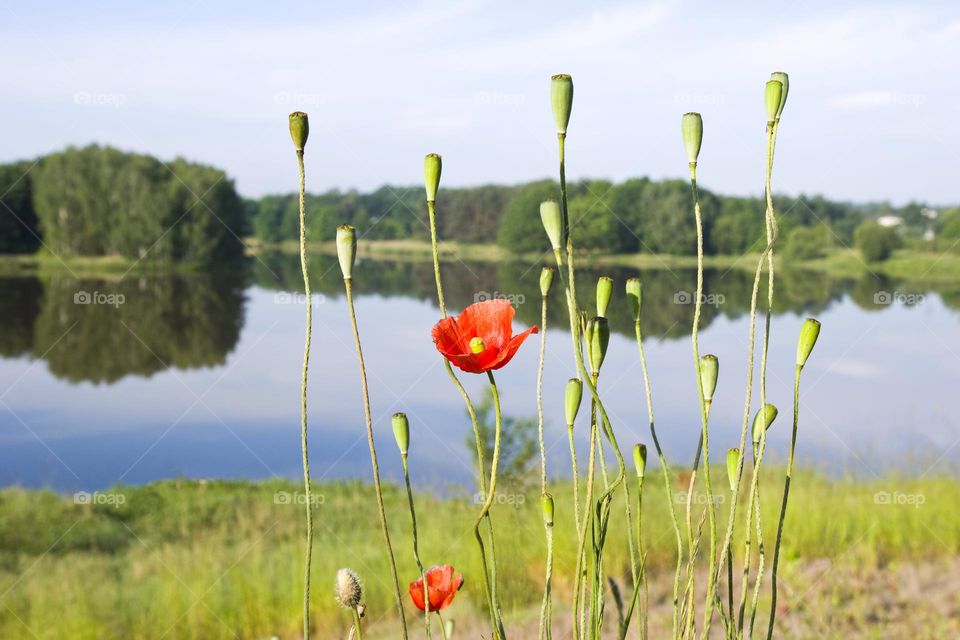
107 329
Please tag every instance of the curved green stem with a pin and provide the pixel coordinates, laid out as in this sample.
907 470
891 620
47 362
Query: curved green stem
666 477
491 492
545 621
416 544
495 621
308 552
348 286
783 505
356 623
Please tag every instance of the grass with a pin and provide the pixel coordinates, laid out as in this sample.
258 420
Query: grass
185 559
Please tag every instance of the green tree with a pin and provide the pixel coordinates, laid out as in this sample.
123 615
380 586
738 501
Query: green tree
876 243
804 243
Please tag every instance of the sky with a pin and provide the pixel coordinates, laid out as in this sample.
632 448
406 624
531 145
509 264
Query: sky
872 113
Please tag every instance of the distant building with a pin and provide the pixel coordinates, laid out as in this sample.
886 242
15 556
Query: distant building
929 235
889 221
930 213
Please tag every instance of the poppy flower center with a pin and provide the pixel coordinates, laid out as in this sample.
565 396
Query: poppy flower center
477 345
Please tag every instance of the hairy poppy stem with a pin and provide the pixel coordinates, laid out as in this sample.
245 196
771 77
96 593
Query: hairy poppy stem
416 544
356 623
308 552
491 492
666 473
348 286
704 414
495 621
545 609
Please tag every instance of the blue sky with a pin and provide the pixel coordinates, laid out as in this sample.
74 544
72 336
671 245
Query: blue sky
872 115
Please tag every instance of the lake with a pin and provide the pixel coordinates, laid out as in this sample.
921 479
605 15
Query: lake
149 376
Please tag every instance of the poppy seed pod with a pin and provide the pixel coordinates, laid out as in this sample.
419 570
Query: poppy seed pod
572 398
346 249
299 129
552 222
432 164
769 414
691 125
546 280
401 432
709 371
546 506
785 81
604 291
561 99
733 461
809 333
640 458
598 339
773 96
634 297
348 589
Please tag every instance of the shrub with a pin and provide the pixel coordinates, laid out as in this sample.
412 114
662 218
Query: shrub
875 242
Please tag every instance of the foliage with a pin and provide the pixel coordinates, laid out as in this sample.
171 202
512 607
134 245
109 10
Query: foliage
518 445
876 243
804 243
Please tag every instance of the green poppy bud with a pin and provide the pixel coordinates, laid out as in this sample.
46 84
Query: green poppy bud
692 127
709 370
448 627
432 165
604 291
572 398
733 461
809 333
634 296
763 420
546 280
552 222
299 129
640 458
774 95
401 432
598 339
546 506
785 81
346 249
561 99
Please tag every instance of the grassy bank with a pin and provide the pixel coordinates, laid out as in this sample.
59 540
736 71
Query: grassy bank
184 559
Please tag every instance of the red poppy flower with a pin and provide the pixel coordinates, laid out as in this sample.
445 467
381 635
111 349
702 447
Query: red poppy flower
481 338
442 585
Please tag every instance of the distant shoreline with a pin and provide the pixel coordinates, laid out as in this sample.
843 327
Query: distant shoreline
916 266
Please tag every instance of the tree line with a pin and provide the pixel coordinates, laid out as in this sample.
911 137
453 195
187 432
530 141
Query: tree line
102 201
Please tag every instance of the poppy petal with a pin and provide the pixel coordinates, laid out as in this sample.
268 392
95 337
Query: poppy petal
491 320
510 349
416 594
